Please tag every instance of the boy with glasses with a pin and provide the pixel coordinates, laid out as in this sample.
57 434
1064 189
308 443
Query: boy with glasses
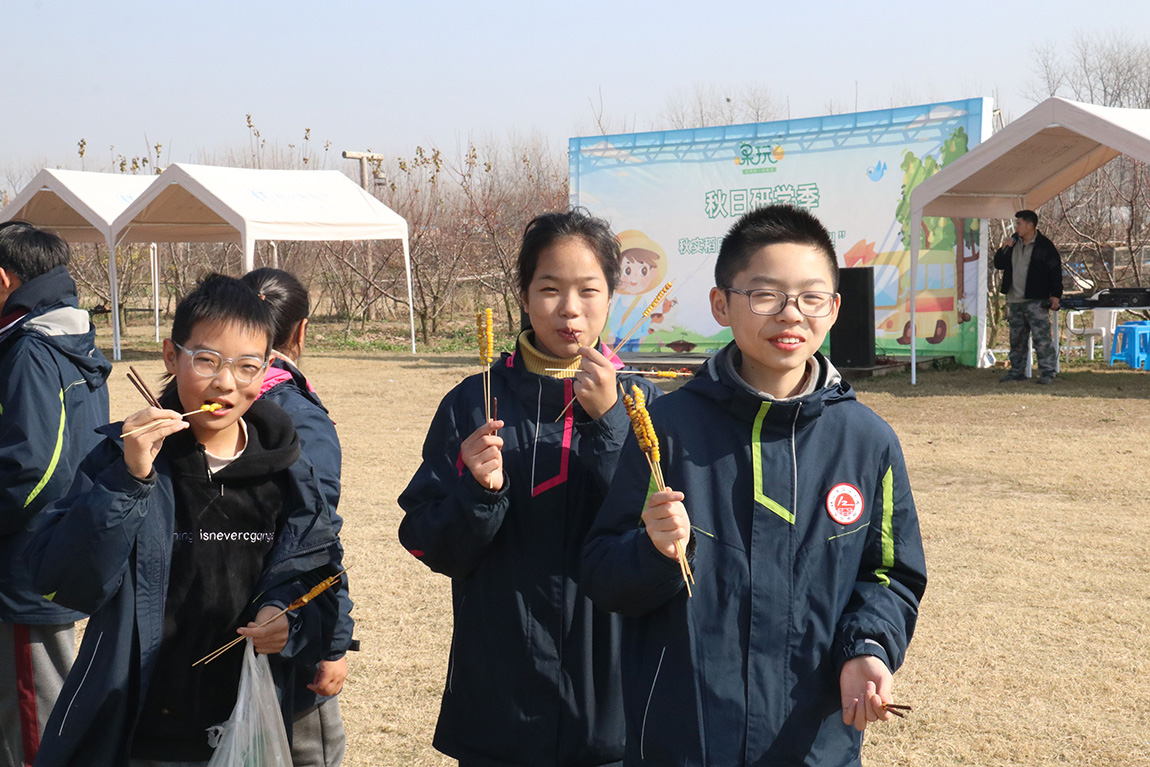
793 502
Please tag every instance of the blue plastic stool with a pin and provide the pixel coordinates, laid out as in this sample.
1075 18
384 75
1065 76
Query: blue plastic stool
1142 344
1131 345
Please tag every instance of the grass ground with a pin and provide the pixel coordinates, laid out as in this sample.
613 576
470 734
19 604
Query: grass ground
1033 645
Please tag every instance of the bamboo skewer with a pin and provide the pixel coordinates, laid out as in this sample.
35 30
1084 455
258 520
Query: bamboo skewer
649 442
485 333
648 373
646 313
202 409
318 589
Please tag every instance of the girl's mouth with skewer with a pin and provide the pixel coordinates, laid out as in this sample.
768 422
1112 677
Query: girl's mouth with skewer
570 335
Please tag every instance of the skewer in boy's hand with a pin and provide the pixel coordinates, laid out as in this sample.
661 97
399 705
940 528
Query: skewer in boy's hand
141 448
665 518
594 385
271 638
482 454
329 677
865 685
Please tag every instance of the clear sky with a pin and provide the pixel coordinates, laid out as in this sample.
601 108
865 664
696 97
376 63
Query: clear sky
392 75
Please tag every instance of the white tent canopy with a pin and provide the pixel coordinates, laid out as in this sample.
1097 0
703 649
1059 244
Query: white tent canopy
80 206
202 203
1024 165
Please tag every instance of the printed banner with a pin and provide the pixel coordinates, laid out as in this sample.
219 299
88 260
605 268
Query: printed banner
672 195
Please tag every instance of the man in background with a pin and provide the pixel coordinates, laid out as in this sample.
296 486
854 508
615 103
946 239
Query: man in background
52 397
1032 282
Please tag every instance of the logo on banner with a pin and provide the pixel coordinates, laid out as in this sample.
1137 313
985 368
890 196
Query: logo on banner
764 156
845 503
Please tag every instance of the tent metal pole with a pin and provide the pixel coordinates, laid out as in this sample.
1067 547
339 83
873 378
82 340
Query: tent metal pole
154 252
410 295
981 297
915 242
114 284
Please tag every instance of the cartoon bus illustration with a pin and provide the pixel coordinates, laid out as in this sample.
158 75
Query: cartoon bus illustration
939 305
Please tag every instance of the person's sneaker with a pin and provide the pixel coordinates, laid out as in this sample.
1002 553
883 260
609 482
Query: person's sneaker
1044 379
1011 377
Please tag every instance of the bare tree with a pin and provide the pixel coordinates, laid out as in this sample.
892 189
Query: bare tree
705 105
1107 70
505 186
1102 223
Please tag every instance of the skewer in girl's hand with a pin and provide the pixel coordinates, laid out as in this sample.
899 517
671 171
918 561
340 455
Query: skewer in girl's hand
482 454
141 447
594 385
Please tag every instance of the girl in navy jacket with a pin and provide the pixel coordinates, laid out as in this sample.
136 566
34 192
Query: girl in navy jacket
317 735
502 507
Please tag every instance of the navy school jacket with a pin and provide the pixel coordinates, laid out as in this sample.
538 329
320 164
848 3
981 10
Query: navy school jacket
53 396
533 677
806 553
105 549
287 387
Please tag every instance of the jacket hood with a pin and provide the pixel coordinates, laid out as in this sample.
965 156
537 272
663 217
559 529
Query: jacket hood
718 380
272 445
281 372
53 313
51 288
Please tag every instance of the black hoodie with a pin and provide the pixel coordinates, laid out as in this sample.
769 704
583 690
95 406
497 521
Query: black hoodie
225 524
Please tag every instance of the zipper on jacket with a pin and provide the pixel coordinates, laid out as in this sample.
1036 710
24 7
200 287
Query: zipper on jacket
647 708
795 464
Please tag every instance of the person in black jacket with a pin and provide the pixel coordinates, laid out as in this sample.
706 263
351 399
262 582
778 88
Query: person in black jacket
1032 283
52 398
502 506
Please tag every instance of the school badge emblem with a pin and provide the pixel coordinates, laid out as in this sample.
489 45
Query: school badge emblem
844 503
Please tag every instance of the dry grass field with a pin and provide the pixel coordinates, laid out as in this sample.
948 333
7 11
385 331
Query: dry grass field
1034 635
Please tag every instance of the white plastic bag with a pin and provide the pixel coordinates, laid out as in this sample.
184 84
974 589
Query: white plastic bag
254 735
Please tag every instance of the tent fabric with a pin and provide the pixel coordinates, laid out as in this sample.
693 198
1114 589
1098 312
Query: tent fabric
1024 165
80 206
203 203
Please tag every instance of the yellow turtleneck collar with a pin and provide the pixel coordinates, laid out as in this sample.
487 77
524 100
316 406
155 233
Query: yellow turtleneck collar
544 364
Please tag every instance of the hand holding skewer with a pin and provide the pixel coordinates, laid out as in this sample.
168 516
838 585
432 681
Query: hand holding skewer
865 685
594 384
269 631
670 516
147 429
482 454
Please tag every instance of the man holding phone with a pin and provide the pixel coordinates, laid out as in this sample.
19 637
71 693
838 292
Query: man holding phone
1032 282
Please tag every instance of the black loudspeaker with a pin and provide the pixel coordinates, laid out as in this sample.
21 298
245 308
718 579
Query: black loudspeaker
852 337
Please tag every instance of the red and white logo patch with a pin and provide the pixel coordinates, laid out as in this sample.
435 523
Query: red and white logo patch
845 503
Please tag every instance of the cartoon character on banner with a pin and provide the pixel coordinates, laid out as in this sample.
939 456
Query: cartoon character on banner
644 269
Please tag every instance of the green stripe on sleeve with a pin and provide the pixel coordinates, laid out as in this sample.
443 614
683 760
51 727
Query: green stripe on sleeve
55 457
887 527
757 466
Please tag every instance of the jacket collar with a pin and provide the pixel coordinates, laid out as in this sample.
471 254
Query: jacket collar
718 380
54 287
